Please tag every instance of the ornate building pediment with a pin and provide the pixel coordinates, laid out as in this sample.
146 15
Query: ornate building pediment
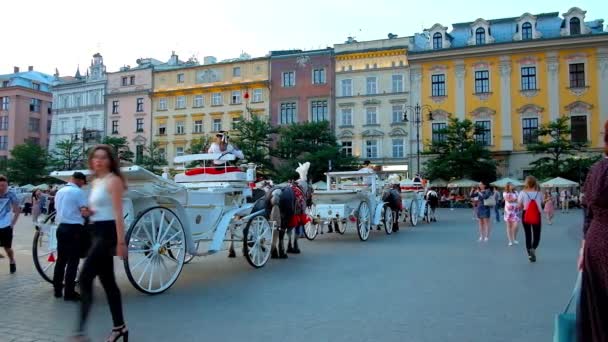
578 107
440 114
398 132
483 112
371 102
140 140
480 24
346 104
578 15
372 133
530 109
345 134
530 21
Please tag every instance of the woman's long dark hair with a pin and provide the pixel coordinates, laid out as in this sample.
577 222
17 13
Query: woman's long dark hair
114 162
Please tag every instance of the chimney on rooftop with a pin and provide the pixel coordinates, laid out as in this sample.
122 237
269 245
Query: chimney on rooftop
16 69
30 68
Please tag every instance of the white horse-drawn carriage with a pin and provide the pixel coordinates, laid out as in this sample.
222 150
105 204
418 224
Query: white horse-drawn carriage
168 219
413 201
352 199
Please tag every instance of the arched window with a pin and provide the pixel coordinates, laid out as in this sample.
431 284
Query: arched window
575 26
437 41
526 31
480 36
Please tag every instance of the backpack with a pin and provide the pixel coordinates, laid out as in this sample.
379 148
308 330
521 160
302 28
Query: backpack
532 214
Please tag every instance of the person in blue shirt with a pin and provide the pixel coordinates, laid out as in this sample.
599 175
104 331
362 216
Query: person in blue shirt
9 214
71 204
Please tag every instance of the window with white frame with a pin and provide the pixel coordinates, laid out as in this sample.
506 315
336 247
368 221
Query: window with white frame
575 26
179 151
180 102
288 79
162 128
371 85
480 36
347 87
115 106
398 148
3 142
216 99
140 105
198 126
397 83
34 125
437 41
577 75
139 125
199 101
114 126
257 95
3 123
35 105
438 85
77 125
397 113
371 116
132 80
5 103
347 148
162 104
236 72
526 31
318 110
63 126
578 129
318 76
438 130
528 78
371 148
529 130
287 113
483 132
180 78
217 125
36 86
235 122
125 81
179 127
482 81
346 117
236 97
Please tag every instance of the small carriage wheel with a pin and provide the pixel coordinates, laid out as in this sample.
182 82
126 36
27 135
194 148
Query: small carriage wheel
387 219
311 229
156 244
257 241
44 257
363 221
189 256
339 226
414 212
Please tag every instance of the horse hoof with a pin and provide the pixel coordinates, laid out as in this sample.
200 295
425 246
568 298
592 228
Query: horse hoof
283 256
231 254
296 251
290 250
274 254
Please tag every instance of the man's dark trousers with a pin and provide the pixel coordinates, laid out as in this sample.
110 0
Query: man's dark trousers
68 257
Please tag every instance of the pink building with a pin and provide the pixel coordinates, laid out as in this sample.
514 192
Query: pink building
25 109
128 105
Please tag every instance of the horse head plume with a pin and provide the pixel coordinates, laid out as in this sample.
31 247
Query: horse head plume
302 170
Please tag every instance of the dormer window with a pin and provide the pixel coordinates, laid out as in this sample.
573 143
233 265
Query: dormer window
575 26
437 41
480 36
526 31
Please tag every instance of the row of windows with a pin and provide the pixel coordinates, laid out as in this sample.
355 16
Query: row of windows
197 127
139 126
528 80
139 106
371 85
319 111
372 148
93 97
64 125
371 115
288 78
35 105
368 66
217 99
4 142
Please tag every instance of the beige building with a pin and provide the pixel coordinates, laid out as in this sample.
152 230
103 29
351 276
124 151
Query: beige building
195 101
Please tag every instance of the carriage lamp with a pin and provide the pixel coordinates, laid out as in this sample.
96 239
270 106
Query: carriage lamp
418 120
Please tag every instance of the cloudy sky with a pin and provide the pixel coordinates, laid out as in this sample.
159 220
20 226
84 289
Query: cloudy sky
66 33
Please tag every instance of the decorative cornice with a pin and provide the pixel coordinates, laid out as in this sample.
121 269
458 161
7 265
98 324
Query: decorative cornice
372 133
346 104
398 132
527 60
371 102
345 134
371 54
527 108
440 114
483 112
578 106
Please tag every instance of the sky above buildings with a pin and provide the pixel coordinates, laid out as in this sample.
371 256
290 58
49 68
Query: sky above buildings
63 34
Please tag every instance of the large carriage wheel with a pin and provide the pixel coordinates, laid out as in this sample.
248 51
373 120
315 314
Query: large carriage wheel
414 212
157 249
387 219
257 241
311 229
43 253
363 221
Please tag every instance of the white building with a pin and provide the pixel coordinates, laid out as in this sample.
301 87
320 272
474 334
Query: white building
78 106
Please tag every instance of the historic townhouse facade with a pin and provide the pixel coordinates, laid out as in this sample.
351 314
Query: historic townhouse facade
78 106
512 75
302 86
195 101
25 109
372 92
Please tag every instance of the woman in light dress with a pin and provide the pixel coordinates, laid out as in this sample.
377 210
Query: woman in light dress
511 215
549 208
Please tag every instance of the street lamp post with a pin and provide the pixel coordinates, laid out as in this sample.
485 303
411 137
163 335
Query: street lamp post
418 112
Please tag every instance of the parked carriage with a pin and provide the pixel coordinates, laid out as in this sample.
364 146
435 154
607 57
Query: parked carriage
168 219
414 203
353 199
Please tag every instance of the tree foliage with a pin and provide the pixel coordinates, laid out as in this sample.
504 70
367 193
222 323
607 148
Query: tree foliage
555 146
27 164
253 138
120 145
67 155
459 155
153 160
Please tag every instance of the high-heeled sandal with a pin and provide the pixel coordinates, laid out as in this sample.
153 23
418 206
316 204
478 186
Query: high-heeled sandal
119 332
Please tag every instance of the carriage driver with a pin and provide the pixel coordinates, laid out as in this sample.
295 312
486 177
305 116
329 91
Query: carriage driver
221 145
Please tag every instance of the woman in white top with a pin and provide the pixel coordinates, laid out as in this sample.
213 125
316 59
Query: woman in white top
221 145
532 231
105 203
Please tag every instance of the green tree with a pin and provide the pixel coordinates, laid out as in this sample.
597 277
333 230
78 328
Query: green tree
554 145
120 145
27 164
253 138
153 160
314 142
198 145
459 155
67 155
576 168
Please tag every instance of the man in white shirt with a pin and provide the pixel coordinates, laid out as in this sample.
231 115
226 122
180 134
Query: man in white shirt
70 203
222 146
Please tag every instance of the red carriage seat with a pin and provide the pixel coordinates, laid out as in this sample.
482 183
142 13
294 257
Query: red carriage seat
212 170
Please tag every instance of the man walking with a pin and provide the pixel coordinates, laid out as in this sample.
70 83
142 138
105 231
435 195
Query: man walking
8 203
70 203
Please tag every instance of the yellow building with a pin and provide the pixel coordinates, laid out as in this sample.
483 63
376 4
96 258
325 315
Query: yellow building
195 101
512 75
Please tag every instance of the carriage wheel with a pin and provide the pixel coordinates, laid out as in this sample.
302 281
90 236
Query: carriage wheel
414 212
257 241
363 221
311 229
339 226
157 250
43 254
387 219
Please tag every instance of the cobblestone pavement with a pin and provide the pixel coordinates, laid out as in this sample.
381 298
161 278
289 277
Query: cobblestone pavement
430 283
